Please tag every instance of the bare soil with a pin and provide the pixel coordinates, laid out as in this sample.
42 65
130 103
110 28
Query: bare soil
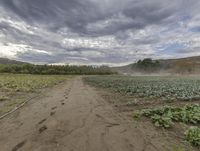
75 117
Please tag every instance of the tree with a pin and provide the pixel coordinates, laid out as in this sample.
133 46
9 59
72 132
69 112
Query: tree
148 65
52 69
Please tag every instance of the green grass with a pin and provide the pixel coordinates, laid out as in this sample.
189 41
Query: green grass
3 98
14 88
178 149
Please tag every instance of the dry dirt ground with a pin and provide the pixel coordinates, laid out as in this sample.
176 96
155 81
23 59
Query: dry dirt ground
74 117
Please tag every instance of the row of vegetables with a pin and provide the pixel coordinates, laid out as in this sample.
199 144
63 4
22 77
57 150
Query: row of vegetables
163 88
167 116
167 89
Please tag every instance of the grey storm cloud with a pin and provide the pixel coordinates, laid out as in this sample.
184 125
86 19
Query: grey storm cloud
93 31
86 16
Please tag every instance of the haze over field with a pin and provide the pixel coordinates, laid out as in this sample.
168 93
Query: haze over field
112 32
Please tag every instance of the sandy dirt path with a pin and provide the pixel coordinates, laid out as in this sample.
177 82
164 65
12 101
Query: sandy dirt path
72 117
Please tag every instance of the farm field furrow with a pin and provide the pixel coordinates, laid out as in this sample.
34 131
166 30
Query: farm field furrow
181 91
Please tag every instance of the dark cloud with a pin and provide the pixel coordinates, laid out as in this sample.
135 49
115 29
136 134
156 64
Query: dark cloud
76 14
54 14
113 30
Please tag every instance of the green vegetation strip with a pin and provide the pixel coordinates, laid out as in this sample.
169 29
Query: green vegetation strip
166 116
167 89
27 83
14 89
55 69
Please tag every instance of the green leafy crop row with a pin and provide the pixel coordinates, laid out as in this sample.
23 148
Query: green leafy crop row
162 88
193 136
167 116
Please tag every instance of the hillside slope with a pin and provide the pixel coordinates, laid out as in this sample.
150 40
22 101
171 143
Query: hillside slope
6 61
190 65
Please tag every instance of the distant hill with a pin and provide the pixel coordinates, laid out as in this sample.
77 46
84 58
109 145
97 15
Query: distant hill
190 65
6 61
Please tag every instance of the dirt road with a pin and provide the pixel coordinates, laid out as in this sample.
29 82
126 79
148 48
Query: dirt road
73 117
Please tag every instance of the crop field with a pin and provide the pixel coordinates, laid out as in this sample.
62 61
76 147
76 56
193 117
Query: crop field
167 116
172 90
151 88
14 88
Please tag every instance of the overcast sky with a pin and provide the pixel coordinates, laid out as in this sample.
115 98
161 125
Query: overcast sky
113 32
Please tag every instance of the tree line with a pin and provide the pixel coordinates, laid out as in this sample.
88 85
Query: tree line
147 65
55 69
